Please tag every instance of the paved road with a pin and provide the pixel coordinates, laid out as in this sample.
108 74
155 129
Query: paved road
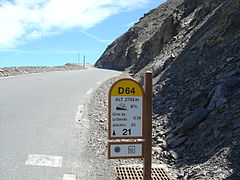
40 138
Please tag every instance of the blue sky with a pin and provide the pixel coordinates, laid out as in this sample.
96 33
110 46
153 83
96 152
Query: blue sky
53 32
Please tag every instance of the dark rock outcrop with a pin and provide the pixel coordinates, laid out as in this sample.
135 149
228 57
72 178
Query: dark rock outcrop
142 41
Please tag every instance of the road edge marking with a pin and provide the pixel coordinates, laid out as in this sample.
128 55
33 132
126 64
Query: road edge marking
69 177
89 91
99 82
80 111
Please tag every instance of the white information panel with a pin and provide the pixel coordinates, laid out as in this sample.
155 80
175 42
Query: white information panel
125 112
126 116
125 150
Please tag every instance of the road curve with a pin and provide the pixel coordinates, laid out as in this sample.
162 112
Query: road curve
40 138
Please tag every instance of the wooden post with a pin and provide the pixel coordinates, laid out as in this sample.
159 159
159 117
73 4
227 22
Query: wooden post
147 166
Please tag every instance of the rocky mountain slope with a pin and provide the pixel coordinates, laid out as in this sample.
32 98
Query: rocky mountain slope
193 49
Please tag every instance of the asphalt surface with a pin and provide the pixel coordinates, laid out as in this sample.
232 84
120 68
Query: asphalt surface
40 138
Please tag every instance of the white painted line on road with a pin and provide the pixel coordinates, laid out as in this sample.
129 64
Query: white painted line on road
69 177
79 113
6 77
44 160
89 91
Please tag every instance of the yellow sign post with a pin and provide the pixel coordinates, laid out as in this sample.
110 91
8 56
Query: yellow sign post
130 117
126 99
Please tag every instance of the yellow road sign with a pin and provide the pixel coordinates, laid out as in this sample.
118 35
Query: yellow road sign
126 87
126 99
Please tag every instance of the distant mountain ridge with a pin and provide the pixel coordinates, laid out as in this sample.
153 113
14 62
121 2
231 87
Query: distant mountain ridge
12 71
193 49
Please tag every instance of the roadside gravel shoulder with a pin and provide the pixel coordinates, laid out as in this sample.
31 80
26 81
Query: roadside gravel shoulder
97 146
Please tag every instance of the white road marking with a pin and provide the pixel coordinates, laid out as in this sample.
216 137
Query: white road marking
79 113
44 160
6 77
99 82
69 177
89 91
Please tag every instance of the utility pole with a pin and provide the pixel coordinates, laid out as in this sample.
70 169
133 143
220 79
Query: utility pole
78 58
84 62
